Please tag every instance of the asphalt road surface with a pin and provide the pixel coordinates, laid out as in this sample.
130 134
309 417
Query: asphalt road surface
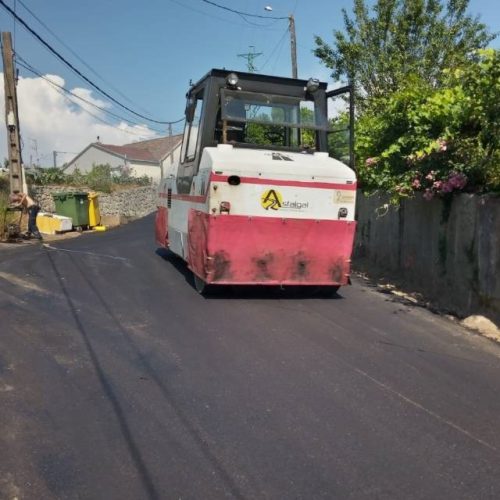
118 381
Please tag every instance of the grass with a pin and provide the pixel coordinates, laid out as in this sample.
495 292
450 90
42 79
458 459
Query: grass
4 203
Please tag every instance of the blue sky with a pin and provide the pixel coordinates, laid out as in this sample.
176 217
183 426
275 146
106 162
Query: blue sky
150 50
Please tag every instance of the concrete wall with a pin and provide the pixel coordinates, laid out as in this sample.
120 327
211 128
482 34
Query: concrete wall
448 250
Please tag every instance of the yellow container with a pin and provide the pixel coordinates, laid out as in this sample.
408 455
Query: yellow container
52 223
94 213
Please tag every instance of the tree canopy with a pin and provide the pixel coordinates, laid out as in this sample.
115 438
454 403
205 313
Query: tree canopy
382 46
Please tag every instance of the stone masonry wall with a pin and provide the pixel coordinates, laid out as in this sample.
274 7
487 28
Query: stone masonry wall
130 203
448 250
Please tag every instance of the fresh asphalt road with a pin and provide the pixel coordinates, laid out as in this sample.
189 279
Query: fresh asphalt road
118 381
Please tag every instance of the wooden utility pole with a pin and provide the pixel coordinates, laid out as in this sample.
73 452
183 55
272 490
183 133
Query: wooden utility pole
293 44
11 116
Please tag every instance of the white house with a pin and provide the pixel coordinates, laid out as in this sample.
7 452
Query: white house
153 158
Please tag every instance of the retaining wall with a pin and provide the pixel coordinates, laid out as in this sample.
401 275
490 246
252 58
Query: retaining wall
447 249
130 203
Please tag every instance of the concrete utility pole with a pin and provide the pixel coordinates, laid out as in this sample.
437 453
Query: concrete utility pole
11 116
56 153
293 44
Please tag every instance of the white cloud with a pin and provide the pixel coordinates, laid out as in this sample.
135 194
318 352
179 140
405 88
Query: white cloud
55 123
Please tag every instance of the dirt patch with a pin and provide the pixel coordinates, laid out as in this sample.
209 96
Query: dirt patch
483 326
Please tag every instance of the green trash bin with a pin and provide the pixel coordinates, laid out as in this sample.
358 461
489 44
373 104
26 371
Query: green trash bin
74 205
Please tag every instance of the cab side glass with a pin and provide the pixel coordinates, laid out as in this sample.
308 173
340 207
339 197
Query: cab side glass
190 109
192 128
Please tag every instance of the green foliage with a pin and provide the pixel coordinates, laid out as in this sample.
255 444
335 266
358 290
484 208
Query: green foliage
401 39
420 138
338 139
5 217
428 96
263 134
100 178
122 180
52 175
4 183
76 178
269 134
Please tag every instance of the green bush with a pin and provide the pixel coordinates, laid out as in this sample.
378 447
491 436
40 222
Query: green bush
99 178
4 183
437 141
45 176
5 217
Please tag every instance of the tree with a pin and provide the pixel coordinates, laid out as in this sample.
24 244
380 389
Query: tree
381 48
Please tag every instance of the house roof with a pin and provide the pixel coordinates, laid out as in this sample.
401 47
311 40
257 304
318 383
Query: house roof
151 151
159 148
128 152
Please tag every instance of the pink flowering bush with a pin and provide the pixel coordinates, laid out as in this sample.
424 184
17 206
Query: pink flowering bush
455 181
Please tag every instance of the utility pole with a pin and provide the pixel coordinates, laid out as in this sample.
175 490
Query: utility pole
34 148
11 116
293 44
56 153
250 57
170 130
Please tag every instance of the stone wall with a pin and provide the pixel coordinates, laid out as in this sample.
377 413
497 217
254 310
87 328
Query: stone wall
448 250
129 203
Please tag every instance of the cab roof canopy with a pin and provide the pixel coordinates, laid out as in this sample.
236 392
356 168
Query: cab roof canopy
257 81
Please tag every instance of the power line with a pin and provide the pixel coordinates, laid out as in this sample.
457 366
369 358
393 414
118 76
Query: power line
188 7
280 42
278 55
60 90
240 13
24 64
64 44
78 72
257 24
98 117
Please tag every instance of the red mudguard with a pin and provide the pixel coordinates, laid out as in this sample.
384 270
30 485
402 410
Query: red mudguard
161 227
232 249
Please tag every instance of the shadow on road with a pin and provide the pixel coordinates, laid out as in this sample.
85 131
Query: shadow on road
249 291
151 373
108 390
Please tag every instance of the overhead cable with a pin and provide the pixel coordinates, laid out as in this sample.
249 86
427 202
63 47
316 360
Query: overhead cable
279 44
24 64
78 72
188 7
126 131
240 13
65 45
